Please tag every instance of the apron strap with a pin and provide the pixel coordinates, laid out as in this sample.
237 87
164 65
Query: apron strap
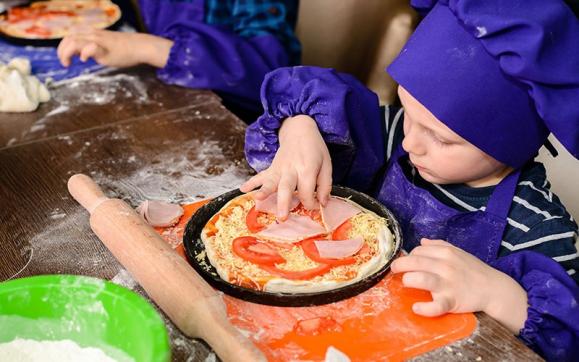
396 154
500 201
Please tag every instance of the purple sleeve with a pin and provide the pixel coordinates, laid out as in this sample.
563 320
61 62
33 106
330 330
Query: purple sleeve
552 325
346 112
207 57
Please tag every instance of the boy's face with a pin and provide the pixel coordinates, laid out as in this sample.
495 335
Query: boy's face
439 154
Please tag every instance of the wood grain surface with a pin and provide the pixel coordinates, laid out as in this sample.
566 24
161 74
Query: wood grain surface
139 139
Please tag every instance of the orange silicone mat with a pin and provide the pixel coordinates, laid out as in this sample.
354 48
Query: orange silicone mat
377 325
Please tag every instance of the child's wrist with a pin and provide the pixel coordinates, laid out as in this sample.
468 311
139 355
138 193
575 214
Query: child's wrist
154 50
300 124
507 302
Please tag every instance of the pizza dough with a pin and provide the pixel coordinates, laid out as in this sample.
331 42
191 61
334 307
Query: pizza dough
223 234
19 90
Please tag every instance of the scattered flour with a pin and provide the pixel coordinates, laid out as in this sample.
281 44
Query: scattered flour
211 357
95 89
174 176
124 279
335 355
26 350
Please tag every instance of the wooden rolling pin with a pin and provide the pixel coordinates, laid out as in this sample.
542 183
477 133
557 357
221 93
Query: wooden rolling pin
193 305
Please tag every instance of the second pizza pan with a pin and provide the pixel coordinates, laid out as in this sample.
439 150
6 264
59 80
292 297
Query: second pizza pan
50 42
195 250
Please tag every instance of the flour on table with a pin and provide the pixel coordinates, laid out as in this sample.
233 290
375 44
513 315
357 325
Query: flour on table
27 350
124 279
335 355
19 90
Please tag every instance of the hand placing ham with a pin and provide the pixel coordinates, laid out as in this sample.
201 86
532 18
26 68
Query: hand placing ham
302 162
159 213
269 204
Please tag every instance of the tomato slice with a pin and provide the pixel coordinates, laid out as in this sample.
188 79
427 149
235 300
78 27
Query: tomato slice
248 248
342 232
36 30
298 275
311 251
252 221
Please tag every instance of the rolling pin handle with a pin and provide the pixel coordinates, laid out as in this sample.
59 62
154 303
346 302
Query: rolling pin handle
86 192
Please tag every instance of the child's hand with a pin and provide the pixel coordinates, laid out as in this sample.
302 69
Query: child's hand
115 49
302 161
459 282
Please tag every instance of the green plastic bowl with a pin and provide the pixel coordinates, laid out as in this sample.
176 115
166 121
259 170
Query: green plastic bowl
91 312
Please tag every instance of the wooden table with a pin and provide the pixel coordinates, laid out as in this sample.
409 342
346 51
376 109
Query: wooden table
139 139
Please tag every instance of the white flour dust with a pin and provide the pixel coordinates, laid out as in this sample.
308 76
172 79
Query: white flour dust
27 350
176 175
91 89
124 279
68 234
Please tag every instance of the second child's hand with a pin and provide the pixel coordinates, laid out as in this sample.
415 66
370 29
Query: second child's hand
115 49
302 162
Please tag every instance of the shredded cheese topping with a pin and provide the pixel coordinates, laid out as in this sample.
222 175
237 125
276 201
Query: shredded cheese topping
231 224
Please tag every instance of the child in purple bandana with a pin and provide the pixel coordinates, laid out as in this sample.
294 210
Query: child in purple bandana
226 46
482 83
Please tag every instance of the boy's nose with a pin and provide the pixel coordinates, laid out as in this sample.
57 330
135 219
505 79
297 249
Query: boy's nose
412 143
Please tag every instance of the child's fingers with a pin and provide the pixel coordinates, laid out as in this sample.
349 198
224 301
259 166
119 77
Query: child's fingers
435 308
324 183
422 280
416 263
285 191
252 183
425 241
306 188
70 48
60 51
91 50
268 187
433 251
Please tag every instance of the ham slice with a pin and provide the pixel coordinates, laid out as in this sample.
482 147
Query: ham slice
269 205
295 228
336 212
339 249
159 213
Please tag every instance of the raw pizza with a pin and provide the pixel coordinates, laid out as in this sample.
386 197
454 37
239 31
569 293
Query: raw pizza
312 251
54 19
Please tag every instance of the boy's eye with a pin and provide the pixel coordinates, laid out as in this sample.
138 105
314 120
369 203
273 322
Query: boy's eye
438 139
442 142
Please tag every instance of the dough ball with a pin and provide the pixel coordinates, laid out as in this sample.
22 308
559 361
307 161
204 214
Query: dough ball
20 91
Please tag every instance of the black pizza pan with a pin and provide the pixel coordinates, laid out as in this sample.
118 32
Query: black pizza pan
195 251
52 42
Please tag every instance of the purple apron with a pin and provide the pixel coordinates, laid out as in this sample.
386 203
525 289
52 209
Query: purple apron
421 215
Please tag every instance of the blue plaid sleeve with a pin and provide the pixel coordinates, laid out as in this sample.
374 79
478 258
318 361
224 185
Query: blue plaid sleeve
253 18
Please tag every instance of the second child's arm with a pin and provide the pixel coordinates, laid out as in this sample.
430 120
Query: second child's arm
115 49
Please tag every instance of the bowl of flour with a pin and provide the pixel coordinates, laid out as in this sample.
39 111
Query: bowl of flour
75 318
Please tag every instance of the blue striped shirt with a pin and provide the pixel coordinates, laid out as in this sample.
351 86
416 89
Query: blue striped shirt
537 219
